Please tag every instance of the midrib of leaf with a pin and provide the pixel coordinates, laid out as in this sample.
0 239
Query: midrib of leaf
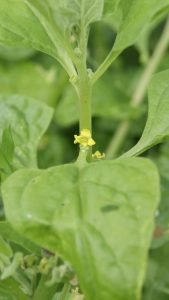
4 28
84 242
89 10
82 9
11 30
82 238
46 27
84 14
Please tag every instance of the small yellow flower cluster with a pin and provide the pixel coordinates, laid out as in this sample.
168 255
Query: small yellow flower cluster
98 155
84 138
75 291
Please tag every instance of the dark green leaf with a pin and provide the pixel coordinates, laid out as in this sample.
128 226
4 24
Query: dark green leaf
28 120
130 18
5 249
10 290
6 150
131 26
157 126
7 232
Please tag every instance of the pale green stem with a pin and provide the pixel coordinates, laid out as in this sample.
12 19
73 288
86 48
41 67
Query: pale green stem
85 100
83 87
44 292
84 84
65 291
81 160
140 92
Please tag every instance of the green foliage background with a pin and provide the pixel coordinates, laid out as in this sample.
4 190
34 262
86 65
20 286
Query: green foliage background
34 76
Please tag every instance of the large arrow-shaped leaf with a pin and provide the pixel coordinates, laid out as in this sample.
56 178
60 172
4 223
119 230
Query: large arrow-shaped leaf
98 216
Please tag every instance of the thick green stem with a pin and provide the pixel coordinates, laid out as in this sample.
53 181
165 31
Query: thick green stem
83 87
140 92
85 100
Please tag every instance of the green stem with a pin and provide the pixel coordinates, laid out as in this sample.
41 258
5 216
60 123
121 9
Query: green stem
44 292
85 99
65 291
84 83
140 92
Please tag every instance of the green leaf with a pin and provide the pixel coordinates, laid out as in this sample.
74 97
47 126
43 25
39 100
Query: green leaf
5 248
131 18
6 150
74 12
7 232
29 79
110 6
7 145
157 126
10 290
47 25
143 42
131 26
30 23
28 120
98 216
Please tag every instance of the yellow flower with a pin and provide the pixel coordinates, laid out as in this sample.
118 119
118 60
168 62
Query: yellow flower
98 155
84 138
